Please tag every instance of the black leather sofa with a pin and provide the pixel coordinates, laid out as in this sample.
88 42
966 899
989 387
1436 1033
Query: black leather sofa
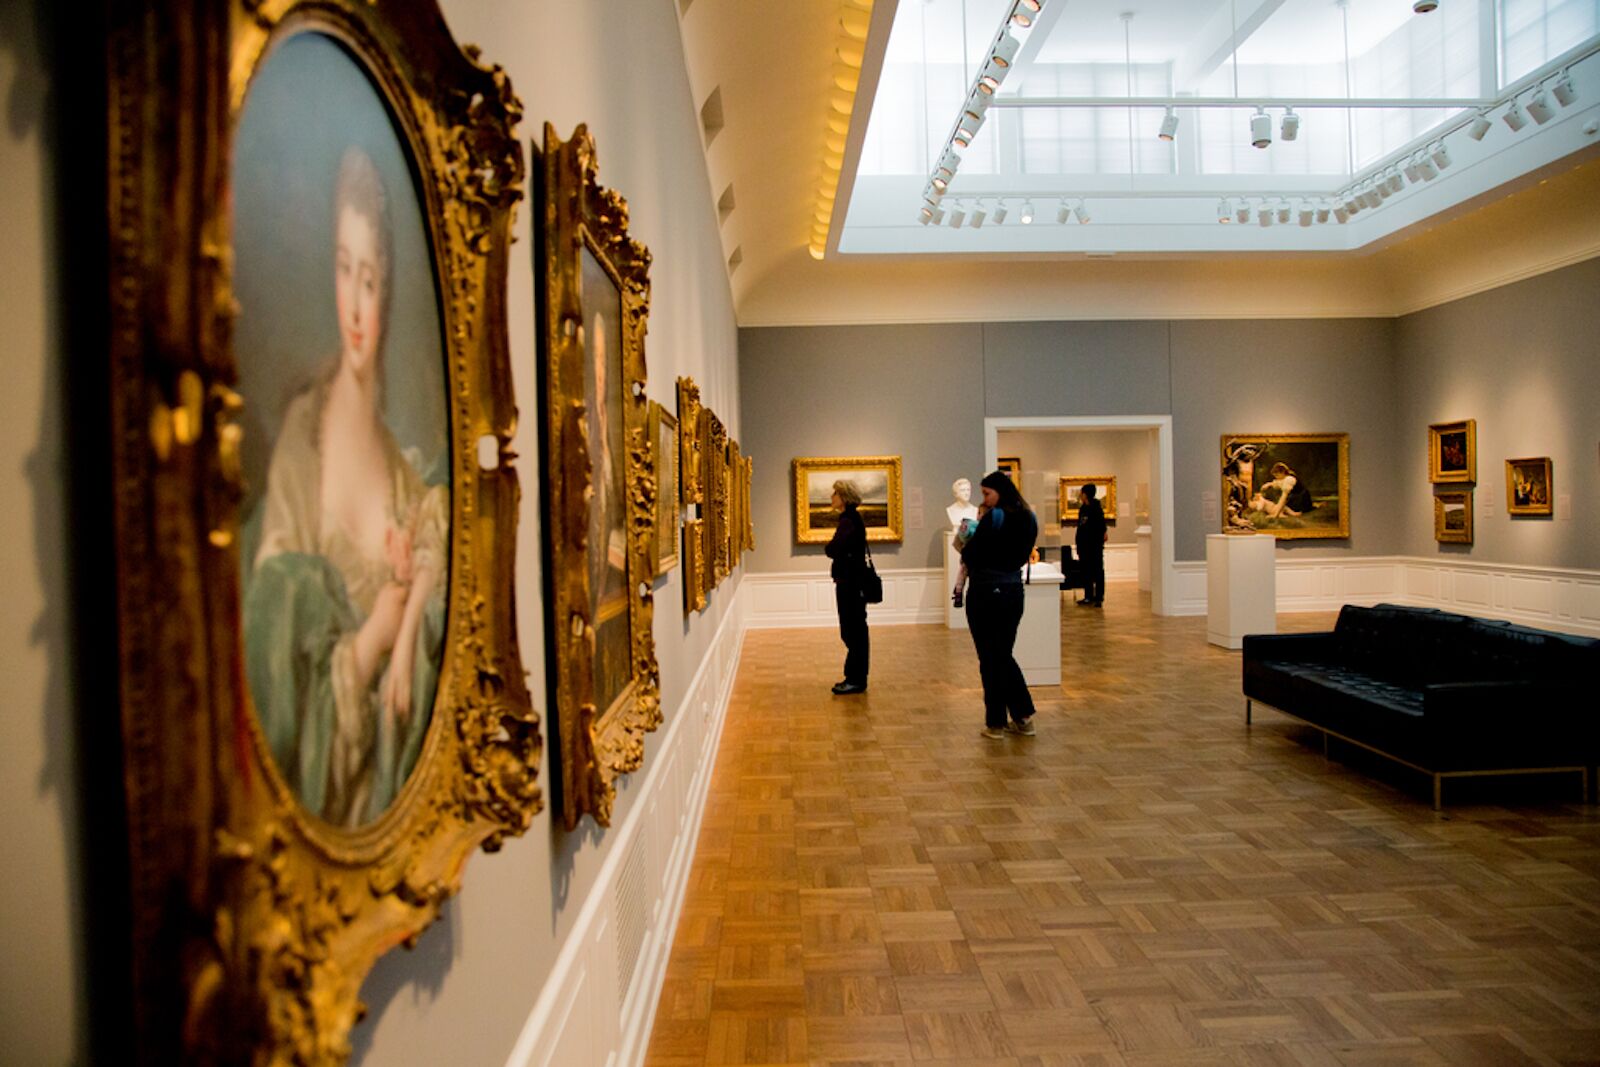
1448 695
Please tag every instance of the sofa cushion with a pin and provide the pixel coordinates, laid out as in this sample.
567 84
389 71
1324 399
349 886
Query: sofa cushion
1405 646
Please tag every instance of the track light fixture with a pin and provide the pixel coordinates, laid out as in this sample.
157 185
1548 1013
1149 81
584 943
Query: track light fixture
1409 169
1341 214
1290 128
1426 168
1082 212
1261 128
1422 7
1305 213
1514 117
938 215
1283 211
1480 126
1440 156
1063 213
1563 89
1243 211
957 217
1323 211
1374 197
1026 12
978 215
1395 181
1169 125
1539 108
999 213
1224 213
1381 187
925 216
1027 212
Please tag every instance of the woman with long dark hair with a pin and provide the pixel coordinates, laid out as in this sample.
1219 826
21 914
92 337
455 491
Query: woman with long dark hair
848 550
994 556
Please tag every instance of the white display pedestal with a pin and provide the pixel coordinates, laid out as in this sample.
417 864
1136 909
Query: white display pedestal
1142 536
1241 587
955 618
1038 649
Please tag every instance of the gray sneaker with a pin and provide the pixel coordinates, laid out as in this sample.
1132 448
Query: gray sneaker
993 735
1023 728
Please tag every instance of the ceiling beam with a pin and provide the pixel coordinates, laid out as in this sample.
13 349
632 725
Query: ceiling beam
1220 39
1049 19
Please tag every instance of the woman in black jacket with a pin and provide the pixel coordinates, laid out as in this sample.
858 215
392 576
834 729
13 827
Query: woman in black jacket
848 550
994 558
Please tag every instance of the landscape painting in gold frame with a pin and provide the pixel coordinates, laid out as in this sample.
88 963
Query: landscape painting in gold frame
599 480
1453 452
1529 488
1012 467
1105 491
877 478
318 730
1452 516
1291 485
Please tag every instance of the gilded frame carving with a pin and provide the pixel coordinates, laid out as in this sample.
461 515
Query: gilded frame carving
1240 452
254 922
1067 497
749 475
735 470
717 485
595 744
807 534
691 461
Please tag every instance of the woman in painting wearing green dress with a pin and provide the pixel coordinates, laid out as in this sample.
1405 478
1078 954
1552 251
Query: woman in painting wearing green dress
344 608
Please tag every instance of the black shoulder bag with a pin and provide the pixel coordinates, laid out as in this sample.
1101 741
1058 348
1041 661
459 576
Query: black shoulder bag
871 584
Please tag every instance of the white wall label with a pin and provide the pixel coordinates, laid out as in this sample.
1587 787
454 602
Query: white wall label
914 518
1208 507
1124 510
1564 506
1485 503
914 496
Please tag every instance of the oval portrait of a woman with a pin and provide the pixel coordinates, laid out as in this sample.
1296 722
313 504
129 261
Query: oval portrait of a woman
345 539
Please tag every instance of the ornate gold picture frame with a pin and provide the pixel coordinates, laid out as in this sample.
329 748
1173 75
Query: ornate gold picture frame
1105 491
1453 452
718 556
736 505
599 481
1452 516
876 477
271 863
691 461
1530 487
1291 485
669 512
748 480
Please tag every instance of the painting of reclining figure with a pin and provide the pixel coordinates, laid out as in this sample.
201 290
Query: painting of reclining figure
1292 485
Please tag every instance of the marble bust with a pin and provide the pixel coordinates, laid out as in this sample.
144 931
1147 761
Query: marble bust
961 507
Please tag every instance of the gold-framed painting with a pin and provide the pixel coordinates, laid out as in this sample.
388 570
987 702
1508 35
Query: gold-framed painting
664 435
314 510
876 478
719 561
691 461
736 505
1291 485
1453 452
1452 516
748 476
1105 491
694 566
1012 466
599 482
1529 488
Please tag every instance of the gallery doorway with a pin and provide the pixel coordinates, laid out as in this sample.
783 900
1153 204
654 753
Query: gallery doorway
1130 457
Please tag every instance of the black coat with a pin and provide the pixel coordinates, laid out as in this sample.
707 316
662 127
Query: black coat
1001 545
1091 535
848 549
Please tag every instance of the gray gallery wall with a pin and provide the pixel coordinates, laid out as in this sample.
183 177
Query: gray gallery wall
1055 454
1524 361
923 391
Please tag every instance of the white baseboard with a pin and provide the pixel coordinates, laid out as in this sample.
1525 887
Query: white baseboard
804 600
599 999
1551 598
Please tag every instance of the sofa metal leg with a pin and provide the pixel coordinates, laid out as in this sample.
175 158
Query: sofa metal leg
1247 723
1438 793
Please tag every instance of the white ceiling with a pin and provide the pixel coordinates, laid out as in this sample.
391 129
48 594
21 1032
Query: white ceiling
774 67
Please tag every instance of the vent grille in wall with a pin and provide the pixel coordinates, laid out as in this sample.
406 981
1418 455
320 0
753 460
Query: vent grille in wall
632 913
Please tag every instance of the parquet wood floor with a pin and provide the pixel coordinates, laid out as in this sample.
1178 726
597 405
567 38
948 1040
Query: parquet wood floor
1146 882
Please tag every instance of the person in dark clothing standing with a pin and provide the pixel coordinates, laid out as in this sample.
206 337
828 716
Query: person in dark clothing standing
1091 541
848 550
994 557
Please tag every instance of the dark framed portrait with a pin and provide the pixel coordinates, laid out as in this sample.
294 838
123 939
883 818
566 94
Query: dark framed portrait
1529 488
1291 485
600 480
1453 452
316 509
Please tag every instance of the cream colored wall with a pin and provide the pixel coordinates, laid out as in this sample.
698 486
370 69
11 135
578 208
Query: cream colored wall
463 995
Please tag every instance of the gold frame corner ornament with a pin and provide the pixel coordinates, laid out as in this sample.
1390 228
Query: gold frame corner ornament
804 465
254 923
596 745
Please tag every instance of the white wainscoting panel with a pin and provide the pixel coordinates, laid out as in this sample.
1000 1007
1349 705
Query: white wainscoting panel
798 601
1122 563
600 996
1550 598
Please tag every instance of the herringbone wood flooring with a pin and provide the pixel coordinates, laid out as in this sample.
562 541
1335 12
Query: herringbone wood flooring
1146 882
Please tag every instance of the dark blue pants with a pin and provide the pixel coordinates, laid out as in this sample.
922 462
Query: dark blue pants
853 631
1094 574
994 611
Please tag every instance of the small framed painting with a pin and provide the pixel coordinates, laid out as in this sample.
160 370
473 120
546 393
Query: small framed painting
1452 516
1012 465
664 432
1528 487
876 478
1105 491
1453 452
